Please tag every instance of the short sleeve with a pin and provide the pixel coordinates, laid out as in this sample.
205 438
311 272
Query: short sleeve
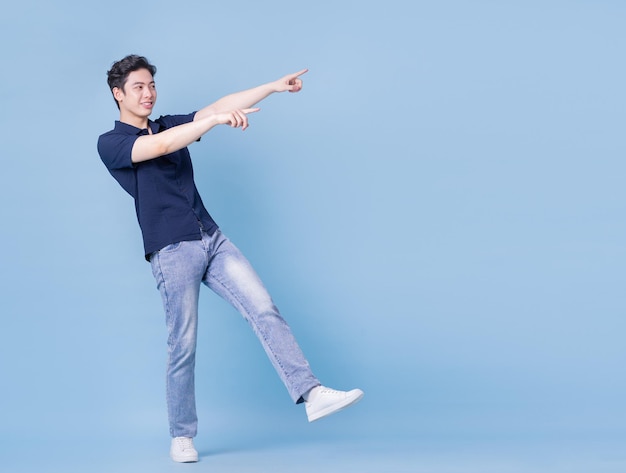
115 150
170 121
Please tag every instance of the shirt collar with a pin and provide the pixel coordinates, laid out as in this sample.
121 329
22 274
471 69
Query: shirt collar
133 130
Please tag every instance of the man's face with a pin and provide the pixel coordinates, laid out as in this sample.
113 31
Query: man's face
139 94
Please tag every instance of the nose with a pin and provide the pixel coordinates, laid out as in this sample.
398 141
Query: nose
148 92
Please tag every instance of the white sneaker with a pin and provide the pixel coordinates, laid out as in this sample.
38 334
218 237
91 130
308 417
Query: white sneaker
183 451
323 401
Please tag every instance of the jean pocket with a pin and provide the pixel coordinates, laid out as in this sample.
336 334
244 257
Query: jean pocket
171 247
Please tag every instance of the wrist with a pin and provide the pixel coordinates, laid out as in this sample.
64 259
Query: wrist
277 86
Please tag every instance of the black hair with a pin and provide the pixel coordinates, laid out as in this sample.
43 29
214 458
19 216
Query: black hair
118 75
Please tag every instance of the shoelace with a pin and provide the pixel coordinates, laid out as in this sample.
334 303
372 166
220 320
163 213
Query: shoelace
321 391
329 391
184 443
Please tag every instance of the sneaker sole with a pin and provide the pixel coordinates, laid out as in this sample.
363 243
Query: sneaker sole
337 407
184 459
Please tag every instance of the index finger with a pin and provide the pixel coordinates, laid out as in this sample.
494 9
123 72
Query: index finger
299 73
250 110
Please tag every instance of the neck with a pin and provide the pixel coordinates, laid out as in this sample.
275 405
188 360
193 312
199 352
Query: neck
134 120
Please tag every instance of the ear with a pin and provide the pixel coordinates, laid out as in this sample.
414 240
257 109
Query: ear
118 94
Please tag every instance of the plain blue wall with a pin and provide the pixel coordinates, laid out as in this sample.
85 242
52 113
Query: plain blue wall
440 213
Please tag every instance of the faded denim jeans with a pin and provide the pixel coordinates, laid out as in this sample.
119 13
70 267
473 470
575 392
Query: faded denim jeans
179 269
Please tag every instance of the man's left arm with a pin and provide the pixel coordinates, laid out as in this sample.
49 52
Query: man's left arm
248 98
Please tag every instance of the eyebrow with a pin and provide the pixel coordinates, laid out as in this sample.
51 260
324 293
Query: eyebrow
143 83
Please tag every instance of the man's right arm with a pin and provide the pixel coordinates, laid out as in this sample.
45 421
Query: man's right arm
148 147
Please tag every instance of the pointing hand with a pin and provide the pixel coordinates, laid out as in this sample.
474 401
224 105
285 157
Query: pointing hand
290 82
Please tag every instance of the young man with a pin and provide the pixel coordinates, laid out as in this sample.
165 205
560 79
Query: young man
185 247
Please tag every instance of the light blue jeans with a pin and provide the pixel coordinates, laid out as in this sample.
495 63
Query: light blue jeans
179 269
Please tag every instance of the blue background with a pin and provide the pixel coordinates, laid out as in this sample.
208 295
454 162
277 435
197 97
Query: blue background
439 214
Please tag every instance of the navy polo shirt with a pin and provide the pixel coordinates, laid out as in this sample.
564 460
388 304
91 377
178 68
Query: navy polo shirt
168 205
